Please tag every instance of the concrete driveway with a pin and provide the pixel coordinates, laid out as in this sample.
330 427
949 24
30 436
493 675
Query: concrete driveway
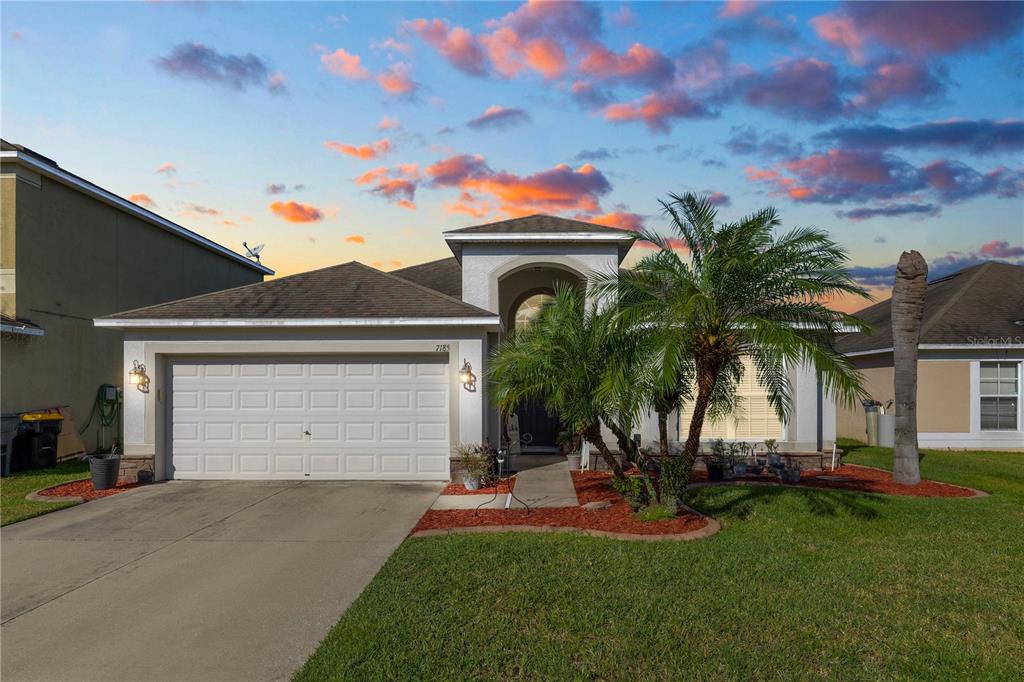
195 581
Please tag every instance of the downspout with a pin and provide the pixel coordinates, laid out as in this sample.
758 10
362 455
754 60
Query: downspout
819 411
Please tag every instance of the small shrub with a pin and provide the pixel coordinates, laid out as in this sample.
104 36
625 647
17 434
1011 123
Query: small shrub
675 474
633 491
476 459
658 512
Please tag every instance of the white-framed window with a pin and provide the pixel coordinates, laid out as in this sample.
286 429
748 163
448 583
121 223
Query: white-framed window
1000 396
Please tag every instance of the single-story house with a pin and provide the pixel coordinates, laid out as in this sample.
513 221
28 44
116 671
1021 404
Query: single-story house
970 356
71 251
353 373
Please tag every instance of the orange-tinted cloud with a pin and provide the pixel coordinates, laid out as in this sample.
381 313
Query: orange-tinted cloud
396 184
620 219
639 64
395 80
294 212
345 64
388 123
455 44
546 56
657 111
355 239
737 8
363 151
142 199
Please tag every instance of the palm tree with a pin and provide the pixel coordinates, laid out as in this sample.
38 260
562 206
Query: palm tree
562 359
907 311
742 292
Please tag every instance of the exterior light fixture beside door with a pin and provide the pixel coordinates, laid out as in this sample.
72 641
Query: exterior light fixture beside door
466 376
137 376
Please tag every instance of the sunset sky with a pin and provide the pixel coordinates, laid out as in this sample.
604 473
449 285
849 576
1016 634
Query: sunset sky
336 132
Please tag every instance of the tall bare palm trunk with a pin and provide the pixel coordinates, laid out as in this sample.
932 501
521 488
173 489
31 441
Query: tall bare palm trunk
706 378
907 309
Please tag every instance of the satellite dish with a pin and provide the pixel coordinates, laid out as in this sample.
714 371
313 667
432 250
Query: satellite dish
253 251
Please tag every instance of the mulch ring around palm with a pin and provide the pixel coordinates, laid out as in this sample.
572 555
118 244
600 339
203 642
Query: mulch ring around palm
616 520
858 478
504 486
83 489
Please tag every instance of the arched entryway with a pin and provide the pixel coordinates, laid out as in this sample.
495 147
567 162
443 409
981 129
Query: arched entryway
522 293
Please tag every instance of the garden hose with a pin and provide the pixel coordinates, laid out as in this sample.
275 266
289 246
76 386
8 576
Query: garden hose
107 410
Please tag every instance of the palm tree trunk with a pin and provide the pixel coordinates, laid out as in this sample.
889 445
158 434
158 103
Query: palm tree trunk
663 432
706 378
907 309
593 434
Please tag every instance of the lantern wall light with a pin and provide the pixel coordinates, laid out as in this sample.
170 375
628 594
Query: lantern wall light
137 376
466 376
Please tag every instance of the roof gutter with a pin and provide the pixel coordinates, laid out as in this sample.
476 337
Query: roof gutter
26 330
297 322
943 346
61 175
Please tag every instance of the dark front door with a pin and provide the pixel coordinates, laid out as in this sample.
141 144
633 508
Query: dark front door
537 428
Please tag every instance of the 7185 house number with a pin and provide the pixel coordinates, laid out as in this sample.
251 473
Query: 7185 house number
442 348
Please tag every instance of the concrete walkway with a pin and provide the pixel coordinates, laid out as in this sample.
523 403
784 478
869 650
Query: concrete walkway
547 486
195 580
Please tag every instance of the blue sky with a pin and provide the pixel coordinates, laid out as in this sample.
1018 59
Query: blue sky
892 126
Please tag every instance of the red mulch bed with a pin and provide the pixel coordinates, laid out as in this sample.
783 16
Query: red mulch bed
863 479
505 485
868 480
84 490
591 486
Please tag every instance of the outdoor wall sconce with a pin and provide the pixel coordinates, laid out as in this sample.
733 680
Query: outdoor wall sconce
137 376
466 376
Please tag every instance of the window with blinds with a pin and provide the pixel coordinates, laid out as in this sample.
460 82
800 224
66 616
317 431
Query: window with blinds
756 419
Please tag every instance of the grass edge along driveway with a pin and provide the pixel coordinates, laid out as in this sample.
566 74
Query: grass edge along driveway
799 584
13 505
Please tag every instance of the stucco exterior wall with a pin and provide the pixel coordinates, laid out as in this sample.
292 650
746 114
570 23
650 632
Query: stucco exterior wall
77 258
946 393
8 245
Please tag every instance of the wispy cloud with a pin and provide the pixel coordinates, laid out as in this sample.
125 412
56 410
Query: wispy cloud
142 199
195 61
372 150
499 118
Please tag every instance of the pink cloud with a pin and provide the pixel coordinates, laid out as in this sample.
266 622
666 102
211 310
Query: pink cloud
800 88
840 30
345 64
388 123
895 80
657 111
363 151
167 169
142 199
496 116
1001 249
456 44
737 8
395 80
294 212
639 64
392 45
546 56
397 184
452 171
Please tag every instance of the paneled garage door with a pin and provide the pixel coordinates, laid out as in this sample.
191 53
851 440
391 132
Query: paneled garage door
338 418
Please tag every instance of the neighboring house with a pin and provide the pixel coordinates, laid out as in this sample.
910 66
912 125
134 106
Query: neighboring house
350 372
970 356
72 251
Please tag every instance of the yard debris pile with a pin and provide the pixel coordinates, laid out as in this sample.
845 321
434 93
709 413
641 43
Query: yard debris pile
84 490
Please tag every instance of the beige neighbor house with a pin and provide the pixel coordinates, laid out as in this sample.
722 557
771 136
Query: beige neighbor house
353 373
72 251
971 353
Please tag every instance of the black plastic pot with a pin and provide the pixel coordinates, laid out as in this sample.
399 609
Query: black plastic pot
716 472
104 472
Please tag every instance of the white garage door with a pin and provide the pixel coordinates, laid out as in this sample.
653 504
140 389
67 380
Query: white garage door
337 418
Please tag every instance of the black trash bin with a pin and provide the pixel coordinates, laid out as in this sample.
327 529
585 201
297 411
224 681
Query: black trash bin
35 446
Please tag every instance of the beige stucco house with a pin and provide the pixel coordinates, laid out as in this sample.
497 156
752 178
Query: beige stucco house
71 251
971 353
353 373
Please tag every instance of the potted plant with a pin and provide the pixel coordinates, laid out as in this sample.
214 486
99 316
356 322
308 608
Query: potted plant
739 467
105 466
575 460
569 444
476 464
718 462
774 459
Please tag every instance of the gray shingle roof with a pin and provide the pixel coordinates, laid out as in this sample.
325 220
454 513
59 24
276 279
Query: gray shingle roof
443 275
350 290
974 304
536 224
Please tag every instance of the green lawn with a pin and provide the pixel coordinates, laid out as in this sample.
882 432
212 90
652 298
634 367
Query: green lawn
799 584
13 505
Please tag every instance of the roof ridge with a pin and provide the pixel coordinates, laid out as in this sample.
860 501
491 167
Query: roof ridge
223 291
953 300
420 265
423 288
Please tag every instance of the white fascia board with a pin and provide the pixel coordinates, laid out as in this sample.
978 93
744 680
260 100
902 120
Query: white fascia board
944 346
97 192
301 322
539 237
19 329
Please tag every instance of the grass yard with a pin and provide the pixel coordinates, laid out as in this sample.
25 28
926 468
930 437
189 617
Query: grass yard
799 584
13 505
